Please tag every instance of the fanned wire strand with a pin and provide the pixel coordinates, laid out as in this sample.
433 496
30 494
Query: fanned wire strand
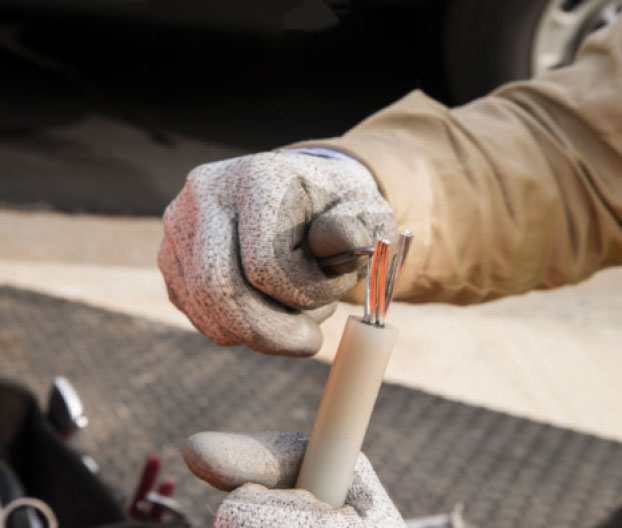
397 265
373 282
383 256
369 302
380 282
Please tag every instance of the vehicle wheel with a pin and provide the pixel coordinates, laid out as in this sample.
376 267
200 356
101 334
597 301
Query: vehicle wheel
489 42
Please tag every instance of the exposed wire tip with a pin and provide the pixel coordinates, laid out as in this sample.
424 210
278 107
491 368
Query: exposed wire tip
370 299
381 279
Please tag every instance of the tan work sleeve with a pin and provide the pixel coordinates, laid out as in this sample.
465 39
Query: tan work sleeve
520 189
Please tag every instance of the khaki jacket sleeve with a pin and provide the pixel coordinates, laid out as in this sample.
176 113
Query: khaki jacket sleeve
520 189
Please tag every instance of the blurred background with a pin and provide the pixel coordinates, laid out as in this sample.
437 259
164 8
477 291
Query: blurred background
106 105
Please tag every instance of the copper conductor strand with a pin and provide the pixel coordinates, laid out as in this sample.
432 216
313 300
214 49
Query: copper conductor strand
373 283
367 317
383 248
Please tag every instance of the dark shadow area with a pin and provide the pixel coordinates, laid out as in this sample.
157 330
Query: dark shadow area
108 115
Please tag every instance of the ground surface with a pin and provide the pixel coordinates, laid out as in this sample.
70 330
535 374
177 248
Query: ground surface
552 356
147 386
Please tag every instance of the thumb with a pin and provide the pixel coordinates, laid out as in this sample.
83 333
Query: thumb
347 226
229 460
340 230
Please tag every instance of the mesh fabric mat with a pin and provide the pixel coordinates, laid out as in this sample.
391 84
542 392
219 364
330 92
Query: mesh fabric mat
147 386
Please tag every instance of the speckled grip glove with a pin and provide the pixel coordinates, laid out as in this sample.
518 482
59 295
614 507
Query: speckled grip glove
242 240
251 464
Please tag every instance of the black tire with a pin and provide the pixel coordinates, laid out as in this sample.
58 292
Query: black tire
488 43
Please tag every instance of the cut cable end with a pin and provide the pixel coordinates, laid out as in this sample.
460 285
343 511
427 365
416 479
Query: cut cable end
380 282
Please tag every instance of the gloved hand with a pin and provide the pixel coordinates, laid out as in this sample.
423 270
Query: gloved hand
242 240
251 464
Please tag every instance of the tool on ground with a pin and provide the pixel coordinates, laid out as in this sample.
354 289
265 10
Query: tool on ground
454 519
155 506
354 381
65 409
30 505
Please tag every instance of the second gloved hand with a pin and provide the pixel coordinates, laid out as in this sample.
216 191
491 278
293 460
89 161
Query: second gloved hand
242 241
253 464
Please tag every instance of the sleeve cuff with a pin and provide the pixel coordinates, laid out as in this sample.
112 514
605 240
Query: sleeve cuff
320 152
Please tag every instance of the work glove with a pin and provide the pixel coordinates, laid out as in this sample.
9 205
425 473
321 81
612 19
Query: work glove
242 240
253 464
